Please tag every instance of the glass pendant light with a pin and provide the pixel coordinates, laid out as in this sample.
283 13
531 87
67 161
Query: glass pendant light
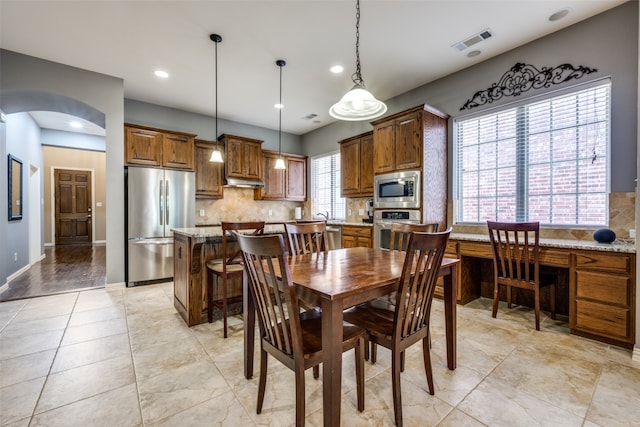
358 103
280 161
216 156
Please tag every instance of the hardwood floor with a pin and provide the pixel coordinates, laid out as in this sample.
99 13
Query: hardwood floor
64 269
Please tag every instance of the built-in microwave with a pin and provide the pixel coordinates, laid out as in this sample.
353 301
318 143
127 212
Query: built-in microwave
397 190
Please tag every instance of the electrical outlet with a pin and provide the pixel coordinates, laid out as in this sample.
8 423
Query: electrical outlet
632 233
349 212
270 212
201 212
361 212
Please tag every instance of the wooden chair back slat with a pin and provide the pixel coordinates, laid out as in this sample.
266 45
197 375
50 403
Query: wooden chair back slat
418 281
400 232
516 248
307 237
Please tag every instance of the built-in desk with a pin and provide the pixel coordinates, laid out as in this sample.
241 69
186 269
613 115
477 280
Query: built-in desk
596 282
192 248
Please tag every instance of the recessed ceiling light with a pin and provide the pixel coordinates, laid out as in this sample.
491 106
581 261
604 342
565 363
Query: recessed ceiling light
336 69
473 53
161 74
280 106
559 14
76 125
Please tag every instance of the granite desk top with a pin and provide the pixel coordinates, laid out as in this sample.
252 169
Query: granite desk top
590 245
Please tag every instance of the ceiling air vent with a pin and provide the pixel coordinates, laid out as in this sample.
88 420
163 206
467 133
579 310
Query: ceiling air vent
476 38
311 116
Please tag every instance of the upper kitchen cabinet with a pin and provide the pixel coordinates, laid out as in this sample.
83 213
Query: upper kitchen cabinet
356 157
288 184
399 140
209 175
147 146
244 157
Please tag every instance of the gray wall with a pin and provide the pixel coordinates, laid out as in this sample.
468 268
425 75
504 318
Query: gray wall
142 113
28 83
608 42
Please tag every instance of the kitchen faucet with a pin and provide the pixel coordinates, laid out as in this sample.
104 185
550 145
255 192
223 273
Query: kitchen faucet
325 215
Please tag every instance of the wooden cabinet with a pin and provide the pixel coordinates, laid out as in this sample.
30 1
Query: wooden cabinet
288 184
356 158
209 175
147 146
399 140
604 296
244 157
354 236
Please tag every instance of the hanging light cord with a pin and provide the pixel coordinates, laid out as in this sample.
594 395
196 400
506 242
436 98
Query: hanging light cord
357 76
216 96
280 115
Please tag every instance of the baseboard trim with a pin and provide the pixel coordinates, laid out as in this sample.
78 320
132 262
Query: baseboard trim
19 272
115 285
4 287
635 356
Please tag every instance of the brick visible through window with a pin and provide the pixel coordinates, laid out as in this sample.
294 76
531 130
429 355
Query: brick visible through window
544 161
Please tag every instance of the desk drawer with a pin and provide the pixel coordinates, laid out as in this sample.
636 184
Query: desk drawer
618 262
554 258
603 287
476 249
606 320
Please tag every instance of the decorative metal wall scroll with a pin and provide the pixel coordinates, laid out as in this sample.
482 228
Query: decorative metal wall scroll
522 77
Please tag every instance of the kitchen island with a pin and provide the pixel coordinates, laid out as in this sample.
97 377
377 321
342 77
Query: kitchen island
192 248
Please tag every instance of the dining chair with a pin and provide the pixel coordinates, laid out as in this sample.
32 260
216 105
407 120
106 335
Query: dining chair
398 239
516 263
409 322
289 335
228 265
306 237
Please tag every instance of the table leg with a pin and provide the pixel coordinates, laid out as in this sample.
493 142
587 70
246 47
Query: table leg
331 361
450 301
249 319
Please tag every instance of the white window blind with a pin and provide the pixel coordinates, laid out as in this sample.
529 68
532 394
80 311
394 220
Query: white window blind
325 183
543 161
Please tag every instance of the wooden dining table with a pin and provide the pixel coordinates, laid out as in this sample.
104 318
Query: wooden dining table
336 280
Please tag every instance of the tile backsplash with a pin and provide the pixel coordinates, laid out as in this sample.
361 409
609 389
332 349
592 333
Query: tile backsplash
622 217
238 205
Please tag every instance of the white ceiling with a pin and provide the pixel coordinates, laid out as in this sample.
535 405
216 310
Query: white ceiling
403 44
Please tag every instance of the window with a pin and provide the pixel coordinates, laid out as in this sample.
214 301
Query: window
325 185
542 161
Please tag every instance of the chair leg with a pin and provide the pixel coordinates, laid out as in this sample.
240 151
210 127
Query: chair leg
395 380
402 362
496 300
224 305
300 395
537 307
262 382
360 372
427 363
209 296
508 296
316 372
366 349
374 352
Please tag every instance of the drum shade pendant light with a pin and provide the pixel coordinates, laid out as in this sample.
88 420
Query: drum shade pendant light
358 103
280 161
216 156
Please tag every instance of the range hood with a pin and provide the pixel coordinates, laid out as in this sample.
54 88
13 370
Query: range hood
243 183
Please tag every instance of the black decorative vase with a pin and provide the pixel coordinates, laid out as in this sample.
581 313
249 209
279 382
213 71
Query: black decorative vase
604 235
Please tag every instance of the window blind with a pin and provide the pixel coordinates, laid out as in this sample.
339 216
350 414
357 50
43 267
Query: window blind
325 182
546 161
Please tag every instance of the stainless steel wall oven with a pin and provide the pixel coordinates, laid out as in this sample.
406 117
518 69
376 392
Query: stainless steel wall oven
382 220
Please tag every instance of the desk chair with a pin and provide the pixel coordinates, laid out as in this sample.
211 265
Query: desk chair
516 256
292 337
228 266
410 321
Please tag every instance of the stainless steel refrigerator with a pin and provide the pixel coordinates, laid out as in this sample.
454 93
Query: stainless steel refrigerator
157 201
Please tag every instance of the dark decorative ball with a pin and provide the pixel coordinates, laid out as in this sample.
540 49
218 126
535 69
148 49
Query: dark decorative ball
604 235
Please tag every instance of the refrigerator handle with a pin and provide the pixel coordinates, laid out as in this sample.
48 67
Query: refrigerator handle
166 202
160 204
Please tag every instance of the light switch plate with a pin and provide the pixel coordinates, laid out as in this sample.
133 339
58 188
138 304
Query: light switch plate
360 212
201 212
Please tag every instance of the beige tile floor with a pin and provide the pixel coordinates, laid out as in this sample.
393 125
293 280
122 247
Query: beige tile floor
123 357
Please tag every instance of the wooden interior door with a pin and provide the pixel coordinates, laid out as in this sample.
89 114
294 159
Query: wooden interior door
73 206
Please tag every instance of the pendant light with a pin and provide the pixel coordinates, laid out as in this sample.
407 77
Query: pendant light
358 103
280 161
216 156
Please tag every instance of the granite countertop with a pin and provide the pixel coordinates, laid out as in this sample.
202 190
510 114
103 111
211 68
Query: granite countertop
339 222
617 246
216 231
